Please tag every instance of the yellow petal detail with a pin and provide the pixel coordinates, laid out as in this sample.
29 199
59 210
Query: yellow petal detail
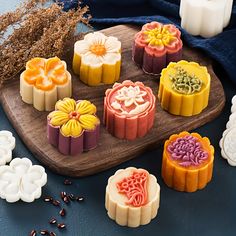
86 107
58 118
71 128
88 122
66 105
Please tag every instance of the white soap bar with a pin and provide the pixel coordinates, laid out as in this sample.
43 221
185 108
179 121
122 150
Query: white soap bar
21 181
205 17
7 144
228 145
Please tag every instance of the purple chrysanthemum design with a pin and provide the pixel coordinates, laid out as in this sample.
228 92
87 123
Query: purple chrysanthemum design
188 151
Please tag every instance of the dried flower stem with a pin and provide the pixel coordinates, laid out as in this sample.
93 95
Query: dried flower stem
37 31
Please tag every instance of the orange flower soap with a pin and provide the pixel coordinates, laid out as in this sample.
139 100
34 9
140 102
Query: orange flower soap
44 82
132 197
129 110
97 59
73 127
155 46
187 163
184 88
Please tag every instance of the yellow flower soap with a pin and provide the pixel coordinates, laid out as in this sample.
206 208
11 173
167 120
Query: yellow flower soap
44 82
97 59
184 88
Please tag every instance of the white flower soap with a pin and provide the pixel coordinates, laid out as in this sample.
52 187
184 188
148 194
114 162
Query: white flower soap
7 144
132 197
228 140
21 181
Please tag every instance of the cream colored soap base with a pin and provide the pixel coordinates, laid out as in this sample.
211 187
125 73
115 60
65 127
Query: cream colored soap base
126 215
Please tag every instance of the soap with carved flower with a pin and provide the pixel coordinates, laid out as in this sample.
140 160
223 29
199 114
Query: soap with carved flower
187 163
132 197
73 127
97 59
129 110
44 82
184 88
155 46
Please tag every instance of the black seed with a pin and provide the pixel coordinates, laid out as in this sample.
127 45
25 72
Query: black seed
67 182
48 199
33 233
72 197
52 234
61 226
66 199
44 232
62 212
53 221
56 202
79 199
63 194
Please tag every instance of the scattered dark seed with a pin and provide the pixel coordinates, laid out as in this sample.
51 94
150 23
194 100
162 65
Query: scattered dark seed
62 212
56 202
66 199
44 232
48 199
63 194
33 233
53 221
67 182
61 226
79 199
72 197
52 234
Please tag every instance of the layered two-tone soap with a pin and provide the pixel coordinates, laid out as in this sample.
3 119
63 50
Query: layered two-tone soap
97 59
129 110
184 88
132 197
73 127
155 46
44 82
187 163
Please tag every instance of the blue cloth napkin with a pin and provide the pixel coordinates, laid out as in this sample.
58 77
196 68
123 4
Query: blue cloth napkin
221 48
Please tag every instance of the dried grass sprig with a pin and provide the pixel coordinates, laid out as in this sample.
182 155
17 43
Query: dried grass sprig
37 31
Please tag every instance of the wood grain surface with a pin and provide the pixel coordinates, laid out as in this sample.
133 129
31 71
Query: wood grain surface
31 124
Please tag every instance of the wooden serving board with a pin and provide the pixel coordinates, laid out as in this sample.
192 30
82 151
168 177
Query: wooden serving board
31 124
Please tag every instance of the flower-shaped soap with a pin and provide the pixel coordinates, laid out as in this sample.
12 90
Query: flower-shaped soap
97 59
187 163
184 88
129 110
7 144
44 82
155 46
21 180
228 140
73 127
132 197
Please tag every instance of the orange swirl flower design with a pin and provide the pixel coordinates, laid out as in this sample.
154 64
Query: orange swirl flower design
45 81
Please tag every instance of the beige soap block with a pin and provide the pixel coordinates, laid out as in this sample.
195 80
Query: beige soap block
132 200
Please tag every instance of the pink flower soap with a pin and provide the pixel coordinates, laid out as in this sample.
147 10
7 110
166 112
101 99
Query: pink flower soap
155 46
73 127
129 110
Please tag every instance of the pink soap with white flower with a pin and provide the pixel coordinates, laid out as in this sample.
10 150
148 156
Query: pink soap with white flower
129 110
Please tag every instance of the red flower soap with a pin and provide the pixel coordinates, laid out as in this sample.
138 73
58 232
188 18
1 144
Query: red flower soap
155 46
129 110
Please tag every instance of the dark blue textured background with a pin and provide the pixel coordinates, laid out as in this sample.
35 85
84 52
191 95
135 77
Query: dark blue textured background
221 47
209 212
